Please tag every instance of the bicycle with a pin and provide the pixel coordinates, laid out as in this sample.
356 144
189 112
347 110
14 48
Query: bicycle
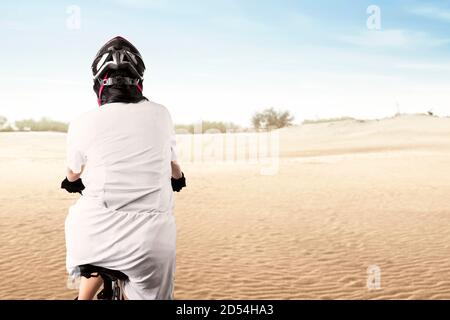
112 280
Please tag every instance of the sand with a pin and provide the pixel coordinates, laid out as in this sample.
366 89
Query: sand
348 195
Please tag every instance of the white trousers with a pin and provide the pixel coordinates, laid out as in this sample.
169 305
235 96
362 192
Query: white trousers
141 245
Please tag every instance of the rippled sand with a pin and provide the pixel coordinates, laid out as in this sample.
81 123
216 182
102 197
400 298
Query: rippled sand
348 195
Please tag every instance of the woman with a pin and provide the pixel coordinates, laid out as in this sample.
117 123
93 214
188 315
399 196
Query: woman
125 152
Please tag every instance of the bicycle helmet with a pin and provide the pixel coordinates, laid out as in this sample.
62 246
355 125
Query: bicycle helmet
117 64
118 54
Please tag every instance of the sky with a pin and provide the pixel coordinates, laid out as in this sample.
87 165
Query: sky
223 60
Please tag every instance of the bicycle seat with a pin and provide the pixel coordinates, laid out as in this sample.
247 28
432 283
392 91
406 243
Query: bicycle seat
87 270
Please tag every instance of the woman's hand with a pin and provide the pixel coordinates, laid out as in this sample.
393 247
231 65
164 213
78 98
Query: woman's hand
71 176
178 180
72 186
176 170
178 184
72 183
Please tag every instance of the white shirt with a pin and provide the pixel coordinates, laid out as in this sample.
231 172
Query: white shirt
126 150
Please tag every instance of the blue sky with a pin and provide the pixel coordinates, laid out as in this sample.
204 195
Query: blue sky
224 60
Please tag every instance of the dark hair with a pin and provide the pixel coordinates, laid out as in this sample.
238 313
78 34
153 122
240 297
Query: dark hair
119 92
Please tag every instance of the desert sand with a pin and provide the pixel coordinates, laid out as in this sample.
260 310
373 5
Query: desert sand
347 195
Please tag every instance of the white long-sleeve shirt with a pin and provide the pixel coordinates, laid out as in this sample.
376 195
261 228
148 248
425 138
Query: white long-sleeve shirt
126 150
124 220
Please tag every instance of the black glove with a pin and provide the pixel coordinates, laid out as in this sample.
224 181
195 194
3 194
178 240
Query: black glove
72 187
178 184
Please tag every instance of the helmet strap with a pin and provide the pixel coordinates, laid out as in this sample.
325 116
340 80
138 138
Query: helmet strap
99 100
116 80
120 81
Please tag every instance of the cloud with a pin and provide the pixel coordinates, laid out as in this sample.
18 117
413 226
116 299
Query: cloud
432 13
239 23
143 4
298 19
15 25
425 66
394 38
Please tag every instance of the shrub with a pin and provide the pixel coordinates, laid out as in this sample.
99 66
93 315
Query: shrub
271 118
45 124
207 126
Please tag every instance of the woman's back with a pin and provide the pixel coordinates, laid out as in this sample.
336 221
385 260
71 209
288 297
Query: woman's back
127 150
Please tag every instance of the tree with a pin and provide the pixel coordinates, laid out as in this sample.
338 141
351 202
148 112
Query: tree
257 120
3 121
270 118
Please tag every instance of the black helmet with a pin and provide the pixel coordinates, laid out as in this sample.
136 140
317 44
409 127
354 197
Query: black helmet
118 54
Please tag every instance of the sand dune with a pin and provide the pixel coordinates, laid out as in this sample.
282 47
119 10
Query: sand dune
348 195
